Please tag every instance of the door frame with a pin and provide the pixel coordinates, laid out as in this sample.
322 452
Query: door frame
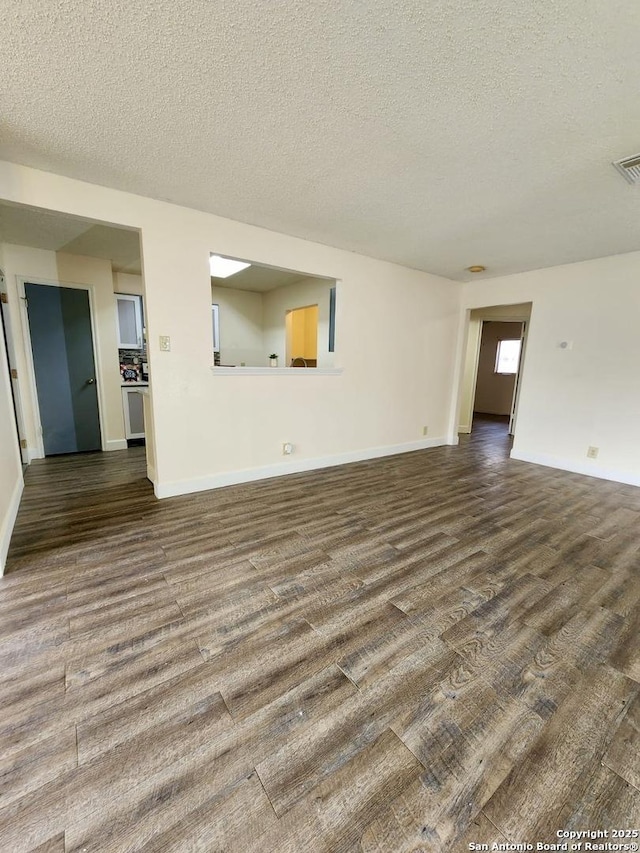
14 378
507 318
31 379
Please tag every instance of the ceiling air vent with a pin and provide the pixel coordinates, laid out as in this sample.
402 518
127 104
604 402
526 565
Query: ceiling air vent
629 168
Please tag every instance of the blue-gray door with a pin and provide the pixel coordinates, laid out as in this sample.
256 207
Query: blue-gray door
62 344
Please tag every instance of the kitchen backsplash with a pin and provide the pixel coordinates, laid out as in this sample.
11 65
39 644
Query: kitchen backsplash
131 361
132 356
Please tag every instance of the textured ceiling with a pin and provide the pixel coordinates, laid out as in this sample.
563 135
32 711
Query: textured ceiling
41 229
433 133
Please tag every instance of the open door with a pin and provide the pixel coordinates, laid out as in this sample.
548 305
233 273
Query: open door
516 387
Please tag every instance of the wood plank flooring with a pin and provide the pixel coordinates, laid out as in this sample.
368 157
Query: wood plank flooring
409 654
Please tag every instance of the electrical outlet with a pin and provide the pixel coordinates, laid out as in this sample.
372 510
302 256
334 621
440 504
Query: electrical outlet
287 448
165 343
425 430
592 452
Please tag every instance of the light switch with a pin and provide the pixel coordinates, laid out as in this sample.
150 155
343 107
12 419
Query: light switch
165 343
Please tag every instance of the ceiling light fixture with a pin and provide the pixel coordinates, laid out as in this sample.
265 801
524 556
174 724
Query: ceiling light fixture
476 268
224 267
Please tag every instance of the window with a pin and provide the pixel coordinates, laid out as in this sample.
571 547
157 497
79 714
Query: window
258 311
508 356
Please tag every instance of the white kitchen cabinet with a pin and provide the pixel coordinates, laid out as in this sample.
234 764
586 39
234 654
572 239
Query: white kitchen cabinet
133 406
130 334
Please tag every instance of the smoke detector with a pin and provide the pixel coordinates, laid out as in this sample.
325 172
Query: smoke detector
629 168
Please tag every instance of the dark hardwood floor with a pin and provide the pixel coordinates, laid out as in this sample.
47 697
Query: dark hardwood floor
408 654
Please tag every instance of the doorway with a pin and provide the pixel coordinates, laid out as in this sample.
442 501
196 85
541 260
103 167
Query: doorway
498 367
302 336
59 324
493 365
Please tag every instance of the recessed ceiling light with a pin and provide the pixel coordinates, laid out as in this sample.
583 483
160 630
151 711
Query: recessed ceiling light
476 268
224 267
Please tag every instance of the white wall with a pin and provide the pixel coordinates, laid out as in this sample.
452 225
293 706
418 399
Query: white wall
494 391
125 282
212 428
11 482
10 463
241 326
589 393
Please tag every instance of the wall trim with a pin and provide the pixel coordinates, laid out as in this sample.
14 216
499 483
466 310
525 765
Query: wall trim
116 444
9 521
586 468
249 475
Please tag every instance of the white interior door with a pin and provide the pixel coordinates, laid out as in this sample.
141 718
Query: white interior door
516 387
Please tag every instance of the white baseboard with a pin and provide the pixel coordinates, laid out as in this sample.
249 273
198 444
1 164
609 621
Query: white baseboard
151 473
248 475
587 468
6 529
465 429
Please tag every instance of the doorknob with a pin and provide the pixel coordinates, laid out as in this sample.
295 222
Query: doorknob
90 381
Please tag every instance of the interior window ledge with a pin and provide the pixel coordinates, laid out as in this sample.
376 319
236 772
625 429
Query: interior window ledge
276 371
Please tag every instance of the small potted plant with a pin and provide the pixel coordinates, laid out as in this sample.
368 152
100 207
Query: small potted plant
273 359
